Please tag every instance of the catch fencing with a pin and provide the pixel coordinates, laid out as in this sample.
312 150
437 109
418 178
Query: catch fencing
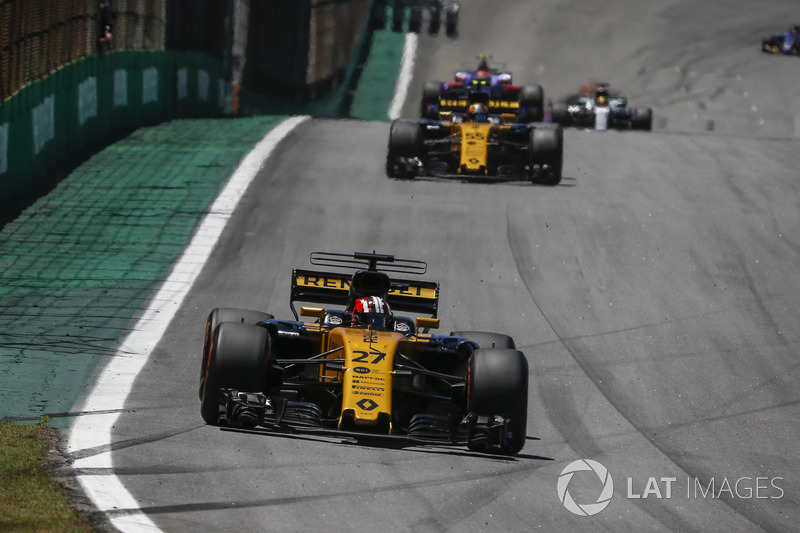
39 36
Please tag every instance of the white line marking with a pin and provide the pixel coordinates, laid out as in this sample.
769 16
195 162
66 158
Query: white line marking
404 78
91 432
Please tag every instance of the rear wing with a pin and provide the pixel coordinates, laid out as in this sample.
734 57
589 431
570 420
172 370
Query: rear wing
458 101
412 296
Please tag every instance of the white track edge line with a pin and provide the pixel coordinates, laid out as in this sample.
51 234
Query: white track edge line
91 431
404 78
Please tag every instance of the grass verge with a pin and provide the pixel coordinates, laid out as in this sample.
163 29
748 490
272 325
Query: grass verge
30 499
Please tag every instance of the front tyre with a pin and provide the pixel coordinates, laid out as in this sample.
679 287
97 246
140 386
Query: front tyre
497 384
405 142
217 317
238 359
546 155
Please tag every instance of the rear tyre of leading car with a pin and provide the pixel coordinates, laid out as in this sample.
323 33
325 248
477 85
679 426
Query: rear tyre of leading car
642 119
559 113
431 93
531 104
238 359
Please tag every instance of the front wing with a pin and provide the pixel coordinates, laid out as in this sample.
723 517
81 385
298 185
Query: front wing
253 411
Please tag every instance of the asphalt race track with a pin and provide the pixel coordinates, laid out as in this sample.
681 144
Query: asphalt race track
654 292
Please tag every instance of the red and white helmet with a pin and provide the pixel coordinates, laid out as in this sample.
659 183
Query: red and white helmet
372 311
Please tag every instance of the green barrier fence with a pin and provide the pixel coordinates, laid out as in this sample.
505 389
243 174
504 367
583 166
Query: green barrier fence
73 112
52 124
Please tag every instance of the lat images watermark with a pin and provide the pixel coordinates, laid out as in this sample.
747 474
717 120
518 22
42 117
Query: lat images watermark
664 488
586 509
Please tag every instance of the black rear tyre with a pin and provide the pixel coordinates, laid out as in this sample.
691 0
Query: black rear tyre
531 104
431 93
238 359
642 119
559 113
498 385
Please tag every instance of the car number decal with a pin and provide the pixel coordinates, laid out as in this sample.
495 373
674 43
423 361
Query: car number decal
364 357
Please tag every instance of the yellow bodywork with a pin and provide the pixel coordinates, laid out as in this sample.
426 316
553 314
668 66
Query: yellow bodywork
474 146
366 374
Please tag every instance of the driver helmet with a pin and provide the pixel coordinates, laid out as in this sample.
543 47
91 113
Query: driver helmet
478 113
483 75
372 311
601 95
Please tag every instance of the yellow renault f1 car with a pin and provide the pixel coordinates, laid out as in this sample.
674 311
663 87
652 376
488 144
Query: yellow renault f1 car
380 377
459 146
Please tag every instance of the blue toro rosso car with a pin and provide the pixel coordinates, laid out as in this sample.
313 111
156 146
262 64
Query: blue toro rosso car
787 43
504 96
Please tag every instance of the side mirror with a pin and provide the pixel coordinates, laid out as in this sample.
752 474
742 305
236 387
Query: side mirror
316 312
426 323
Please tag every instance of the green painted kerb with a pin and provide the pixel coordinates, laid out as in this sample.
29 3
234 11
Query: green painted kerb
77 265
376 85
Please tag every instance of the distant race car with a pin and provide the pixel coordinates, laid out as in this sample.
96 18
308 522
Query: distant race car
526 102
787 43
597 107
437 11
358 370
476 145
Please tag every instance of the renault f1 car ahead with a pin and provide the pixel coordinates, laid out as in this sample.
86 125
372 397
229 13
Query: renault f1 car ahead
598 108
526 102
360 371
460 146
